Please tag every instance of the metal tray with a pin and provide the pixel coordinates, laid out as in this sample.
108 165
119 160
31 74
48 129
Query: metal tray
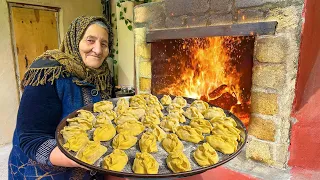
160 156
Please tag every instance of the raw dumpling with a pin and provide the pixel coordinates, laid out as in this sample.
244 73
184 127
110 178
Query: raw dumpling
102 119
125 117
155 104
205 155
138 101
158 132
154 110
169 124
104 133
121 109
102 106
213 112
91 152
200 105
223 120
187 133
123 102
166 100
180 100
201 124
138 112
148 142
75 143
227 131
69 131
150 119
150 98
193 112
178 116
223 144
144 163
80 122
132 127
86 115
178 162
174 107
124 141
172 143
115 161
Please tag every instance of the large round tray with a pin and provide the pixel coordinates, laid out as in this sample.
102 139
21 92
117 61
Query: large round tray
160 156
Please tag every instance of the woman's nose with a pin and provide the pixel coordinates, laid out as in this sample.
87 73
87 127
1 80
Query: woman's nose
97 48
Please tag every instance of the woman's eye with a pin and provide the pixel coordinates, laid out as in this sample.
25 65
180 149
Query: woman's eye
104 45
90 40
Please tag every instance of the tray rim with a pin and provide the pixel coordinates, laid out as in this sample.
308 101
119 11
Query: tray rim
93 168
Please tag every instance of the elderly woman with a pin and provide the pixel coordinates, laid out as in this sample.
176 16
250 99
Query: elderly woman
57 83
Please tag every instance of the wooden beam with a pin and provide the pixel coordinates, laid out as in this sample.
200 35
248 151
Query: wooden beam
247 29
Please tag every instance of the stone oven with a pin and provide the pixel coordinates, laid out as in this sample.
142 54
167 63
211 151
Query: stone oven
272 26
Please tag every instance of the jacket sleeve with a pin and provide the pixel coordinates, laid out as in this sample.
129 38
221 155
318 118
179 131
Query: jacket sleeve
38 116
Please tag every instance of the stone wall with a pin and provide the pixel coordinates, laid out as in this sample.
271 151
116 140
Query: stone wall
275 60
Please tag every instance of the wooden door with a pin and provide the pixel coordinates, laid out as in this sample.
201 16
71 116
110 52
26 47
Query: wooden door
34 32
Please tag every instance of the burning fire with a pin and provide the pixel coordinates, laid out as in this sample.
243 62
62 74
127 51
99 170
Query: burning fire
209 73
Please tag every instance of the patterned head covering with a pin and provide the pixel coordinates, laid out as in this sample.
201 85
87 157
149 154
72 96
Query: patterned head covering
67 60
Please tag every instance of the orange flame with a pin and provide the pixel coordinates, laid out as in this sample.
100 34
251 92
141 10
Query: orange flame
209 74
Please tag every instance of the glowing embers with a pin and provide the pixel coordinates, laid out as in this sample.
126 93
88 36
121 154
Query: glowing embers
217 70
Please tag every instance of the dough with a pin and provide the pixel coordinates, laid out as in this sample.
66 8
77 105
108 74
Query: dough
180 118
169 124
102 106
213 112
87 115
172 143
91 152
132 127
174 107
102 119
228 121
178 162
69 131
200 105
115 161
123 102
125 117
166 100
80 122
150 119
124 141
201 124
145 163
138 112
205 155
158 132
193 112
148 143
187 133
180 100
223 144
75 143
104 133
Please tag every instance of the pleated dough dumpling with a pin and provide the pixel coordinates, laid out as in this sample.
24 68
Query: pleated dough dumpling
166 100
148 143
121 109
201 124
138 101
80 122
123 102
154 110
86 115
180 100
169 124
104 133
228 121
177 116
132 127
124 141
91 152
200 105
125 117
158 132
172 143
138 112
102 106
145 163
150 97
155 104
75 143
115 161
174 107
223 144
227 131
150 119
205 155
187 133
193 112
178 162
102 119
213 112
69 131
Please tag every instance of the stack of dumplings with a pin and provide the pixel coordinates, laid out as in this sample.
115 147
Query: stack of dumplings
148 126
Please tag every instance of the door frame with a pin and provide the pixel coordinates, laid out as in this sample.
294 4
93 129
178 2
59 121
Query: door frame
13 41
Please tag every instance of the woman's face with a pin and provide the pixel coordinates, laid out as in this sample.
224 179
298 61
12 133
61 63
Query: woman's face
93 47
